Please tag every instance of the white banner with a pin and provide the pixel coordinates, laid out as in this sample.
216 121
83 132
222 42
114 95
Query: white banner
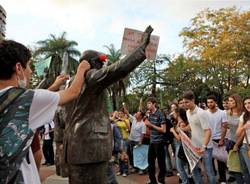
189 150
131 40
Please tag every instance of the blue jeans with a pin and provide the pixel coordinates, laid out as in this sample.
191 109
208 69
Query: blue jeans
169 167
124 145
123 167
208 164
245 162
111 174
180 164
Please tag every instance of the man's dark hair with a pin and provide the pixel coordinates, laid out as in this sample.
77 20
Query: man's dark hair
182 113
188 95
212 97
152 99
225 99
180 99
12 52
92 57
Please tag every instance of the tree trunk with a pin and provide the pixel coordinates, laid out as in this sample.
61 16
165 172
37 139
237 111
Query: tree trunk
114 100
154 82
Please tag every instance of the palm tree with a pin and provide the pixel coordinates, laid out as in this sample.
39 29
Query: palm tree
56 45
54 48
117 90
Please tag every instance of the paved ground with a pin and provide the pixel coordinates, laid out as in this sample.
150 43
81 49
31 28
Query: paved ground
48 176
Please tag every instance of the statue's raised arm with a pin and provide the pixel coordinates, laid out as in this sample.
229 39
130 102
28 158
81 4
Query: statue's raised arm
87 142
106 76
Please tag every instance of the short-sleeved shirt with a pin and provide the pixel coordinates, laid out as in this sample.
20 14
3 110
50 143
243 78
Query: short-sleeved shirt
199 121
217 118
157 118
42 110
137 129
247 130
48 128
233 122
122 125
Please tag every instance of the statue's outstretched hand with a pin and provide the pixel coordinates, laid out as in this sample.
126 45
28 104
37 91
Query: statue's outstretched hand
146 36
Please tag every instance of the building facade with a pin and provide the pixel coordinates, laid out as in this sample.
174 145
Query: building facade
2 21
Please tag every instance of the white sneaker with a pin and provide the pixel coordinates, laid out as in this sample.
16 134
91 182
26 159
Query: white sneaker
124 174
118 173
140 172
133 170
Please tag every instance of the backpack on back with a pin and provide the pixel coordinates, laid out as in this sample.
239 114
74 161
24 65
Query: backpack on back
14 133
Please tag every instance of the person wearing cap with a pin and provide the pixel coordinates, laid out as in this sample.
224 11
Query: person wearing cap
87 141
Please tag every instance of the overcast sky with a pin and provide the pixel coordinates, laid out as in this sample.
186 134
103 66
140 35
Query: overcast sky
95 23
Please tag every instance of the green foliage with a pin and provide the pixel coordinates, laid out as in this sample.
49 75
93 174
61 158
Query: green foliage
217 60
1 37
117 90
56 45
243 92
219 39
149 75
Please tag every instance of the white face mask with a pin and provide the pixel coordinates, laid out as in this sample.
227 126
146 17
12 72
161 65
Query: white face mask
22 83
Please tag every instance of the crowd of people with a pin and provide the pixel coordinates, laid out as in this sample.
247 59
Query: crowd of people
22 112
208 127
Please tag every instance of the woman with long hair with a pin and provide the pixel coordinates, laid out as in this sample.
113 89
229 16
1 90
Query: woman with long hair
180 119
243 132
233 115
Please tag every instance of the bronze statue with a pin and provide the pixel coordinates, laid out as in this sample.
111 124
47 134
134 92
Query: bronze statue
87 138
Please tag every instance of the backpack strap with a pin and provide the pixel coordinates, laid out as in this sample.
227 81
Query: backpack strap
9 96
6 99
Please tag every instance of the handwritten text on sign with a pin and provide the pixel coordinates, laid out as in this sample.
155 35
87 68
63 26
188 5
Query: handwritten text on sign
132 39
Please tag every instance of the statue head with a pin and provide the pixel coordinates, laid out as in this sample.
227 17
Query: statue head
95 59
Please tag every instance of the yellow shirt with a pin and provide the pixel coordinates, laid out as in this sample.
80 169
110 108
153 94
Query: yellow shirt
122 124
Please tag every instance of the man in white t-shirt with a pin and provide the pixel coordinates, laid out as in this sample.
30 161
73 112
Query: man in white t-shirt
218 119
15 71
137 132
200 136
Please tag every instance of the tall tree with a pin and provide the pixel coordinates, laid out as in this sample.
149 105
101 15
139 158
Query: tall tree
56 45
149 75
219 40
117 90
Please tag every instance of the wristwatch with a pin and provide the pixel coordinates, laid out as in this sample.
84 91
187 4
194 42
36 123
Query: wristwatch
204 147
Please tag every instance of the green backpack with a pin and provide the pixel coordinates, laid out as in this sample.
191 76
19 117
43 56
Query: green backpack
14 133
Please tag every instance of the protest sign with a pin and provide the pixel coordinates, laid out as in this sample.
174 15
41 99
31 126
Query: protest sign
132 39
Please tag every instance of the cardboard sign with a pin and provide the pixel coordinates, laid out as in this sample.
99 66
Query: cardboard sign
132 39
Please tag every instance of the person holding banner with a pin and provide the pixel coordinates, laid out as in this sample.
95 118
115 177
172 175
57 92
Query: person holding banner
180 118
137 131
200 137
